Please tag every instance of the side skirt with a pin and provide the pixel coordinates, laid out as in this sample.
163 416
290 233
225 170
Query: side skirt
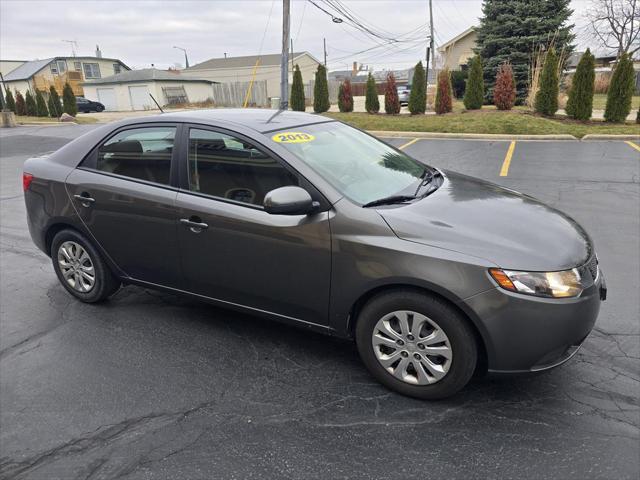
296 322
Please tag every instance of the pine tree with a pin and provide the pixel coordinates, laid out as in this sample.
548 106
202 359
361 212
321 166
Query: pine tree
55 108
444 93
10 101
41 105
510 29
580 102
391 101
297 92
321 91
504 92
474 92
459 82
546 101
620 91
69 105
371 102
418 95
30 103
345 98
21 106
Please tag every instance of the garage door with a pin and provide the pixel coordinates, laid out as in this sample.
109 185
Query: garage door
140 99
107 97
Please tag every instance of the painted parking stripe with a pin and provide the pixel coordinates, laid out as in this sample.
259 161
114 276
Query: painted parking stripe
402 147
633 145
504 171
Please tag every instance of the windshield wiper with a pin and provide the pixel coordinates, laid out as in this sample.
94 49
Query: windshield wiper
390 200
426 178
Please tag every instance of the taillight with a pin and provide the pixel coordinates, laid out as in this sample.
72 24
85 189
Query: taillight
26 181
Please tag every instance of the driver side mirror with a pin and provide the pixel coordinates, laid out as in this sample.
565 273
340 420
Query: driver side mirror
289 201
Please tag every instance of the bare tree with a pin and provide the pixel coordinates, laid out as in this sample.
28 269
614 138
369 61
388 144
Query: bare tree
616 24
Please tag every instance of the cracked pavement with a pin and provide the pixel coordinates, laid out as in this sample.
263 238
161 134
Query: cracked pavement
151 385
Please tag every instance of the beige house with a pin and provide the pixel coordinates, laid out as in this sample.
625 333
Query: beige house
457 51
132 90
240 69
56 71
7 66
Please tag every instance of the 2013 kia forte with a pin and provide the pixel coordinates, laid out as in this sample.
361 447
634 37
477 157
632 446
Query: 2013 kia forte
311 222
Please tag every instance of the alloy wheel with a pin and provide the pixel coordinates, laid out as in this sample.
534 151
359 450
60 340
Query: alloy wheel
412 347
76 267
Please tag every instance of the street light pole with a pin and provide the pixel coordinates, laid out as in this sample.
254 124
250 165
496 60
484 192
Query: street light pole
186 59
284 62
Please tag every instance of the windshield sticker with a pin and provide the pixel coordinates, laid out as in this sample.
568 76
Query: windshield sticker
293 137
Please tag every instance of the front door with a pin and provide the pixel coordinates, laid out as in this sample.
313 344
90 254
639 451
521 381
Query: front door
239 253
124 195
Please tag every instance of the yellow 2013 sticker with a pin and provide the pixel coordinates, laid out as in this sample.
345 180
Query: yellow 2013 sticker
293 137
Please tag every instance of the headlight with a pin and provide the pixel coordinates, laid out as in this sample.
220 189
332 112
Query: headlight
567 283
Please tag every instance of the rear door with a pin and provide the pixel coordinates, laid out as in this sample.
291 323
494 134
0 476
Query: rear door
242 254
125 193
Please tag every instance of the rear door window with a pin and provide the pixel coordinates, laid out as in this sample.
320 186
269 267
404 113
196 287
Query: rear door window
140 153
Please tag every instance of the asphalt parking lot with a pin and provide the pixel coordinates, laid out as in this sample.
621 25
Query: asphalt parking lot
150 385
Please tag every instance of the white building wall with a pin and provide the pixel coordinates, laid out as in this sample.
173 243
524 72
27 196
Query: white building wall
196 92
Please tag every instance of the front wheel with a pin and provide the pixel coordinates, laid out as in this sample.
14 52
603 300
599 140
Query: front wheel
99 108
416 344
80 268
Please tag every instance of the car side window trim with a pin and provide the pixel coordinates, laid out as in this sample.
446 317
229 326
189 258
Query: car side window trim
183 173
89 162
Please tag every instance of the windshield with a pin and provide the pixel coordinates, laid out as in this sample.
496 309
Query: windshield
360 167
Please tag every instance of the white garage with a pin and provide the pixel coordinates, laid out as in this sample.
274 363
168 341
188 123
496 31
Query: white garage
139 97
107 97
133 90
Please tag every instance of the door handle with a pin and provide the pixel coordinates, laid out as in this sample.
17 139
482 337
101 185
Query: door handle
85 199
194 224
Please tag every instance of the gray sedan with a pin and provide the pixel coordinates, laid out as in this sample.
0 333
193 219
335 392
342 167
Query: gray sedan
307 221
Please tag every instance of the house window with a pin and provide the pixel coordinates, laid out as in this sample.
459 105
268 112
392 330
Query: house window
91 70
62 66
54 68
175 95
77 66
116 68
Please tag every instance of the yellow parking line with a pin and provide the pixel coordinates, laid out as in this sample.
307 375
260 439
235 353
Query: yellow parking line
504 171
633 145
402 147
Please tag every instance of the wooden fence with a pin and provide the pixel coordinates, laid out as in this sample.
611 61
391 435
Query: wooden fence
233 94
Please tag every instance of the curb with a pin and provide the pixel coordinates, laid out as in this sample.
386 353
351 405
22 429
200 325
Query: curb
474 136
46 124
596 136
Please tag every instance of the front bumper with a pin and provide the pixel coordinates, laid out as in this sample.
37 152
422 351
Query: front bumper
528 334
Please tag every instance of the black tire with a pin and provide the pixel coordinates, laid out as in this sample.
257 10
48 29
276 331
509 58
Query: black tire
106 283
99 108
451 322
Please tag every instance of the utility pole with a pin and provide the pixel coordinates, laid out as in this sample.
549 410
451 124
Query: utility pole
284 62
431 46
292 66
324 41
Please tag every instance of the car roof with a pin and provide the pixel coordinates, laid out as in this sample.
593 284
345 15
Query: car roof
258 119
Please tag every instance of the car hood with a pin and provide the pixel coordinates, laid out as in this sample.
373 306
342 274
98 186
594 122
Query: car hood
474 217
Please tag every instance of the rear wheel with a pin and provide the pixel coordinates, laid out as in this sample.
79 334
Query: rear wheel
416 344
80 268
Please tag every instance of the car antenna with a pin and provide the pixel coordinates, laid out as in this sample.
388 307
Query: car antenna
274 115
158 105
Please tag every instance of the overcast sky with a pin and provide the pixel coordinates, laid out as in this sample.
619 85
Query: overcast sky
141 33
